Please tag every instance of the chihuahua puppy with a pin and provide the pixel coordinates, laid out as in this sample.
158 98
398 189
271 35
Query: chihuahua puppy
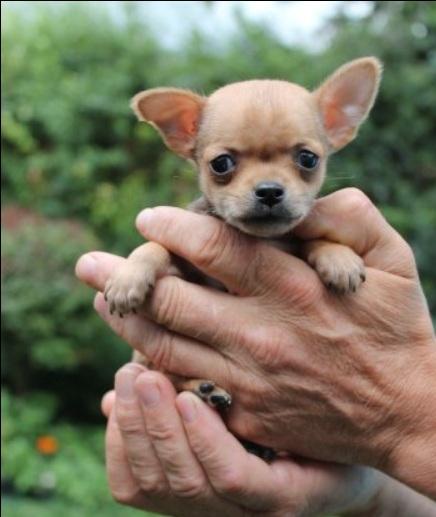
261 150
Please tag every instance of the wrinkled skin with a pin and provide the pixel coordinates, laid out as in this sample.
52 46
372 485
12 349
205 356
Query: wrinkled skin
174 455
347 379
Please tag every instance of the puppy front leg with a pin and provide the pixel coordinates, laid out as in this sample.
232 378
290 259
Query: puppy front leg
128 286
338 266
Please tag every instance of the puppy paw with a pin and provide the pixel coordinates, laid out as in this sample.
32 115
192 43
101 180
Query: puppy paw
127 288
208 391
214 395
338 267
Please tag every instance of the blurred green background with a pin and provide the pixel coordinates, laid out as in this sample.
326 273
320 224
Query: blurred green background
77 168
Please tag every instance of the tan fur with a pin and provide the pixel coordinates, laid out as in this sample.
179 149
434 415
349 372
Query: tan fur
347 97
174 113
263 125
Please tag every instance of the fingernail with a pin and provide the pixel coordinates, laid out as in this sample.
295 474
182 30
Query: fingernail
188 408
149 390
144 218
86 267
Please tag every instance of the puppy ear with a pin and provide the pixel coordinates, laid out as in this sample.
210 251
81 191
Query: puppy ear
346 98
174 113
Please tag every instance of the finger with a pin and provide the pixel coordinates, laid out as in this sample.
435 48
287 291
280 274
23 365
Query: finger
143 461
165 429
176 304
122 483
133 479
349 217
107 403
166 350
209 316
94 268
240 262
234 473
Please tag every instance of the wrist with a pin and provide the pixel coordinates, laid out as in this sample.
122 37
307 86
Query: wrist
393 499
348 491
412 458
375 504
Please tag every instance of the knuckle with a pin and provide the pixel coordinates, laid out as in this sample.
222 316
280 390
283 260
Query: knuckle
167 302
267 352
404 257
298 292
232 482
354 200
161 353
214 246
129 422
188 487
153 485
123 495
265 345
406 251
165 434
140 461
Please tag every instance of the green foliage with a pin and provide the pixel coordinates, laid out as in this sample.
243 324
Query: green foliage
77 460
70 144
49 330
74 471
19 507
75 157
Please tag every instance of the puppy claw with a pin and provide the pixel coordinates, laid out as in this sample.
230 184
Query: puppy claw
341 270
128 287
222 401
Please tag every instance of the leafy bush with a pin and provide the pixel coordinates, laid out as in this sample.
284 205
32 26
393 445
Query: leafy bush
73 467
50 337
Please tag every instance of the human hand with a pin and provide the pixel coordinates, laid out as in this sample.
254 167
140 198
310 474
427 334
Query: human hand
348 379
174 455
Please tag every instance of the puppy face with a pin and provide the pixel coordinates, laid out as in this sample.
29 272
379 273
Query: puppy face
261 153
261 147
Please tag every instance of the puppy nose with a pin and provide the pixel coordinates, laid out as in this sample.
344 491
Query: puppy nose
269 193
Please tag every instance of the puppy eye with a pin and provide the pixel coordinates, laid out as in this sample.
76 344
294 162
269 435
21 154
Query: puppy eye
223 164
307 159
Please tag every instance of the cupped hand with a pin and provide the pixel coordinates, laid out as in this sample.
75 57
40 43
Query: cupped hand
173 454
338 378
